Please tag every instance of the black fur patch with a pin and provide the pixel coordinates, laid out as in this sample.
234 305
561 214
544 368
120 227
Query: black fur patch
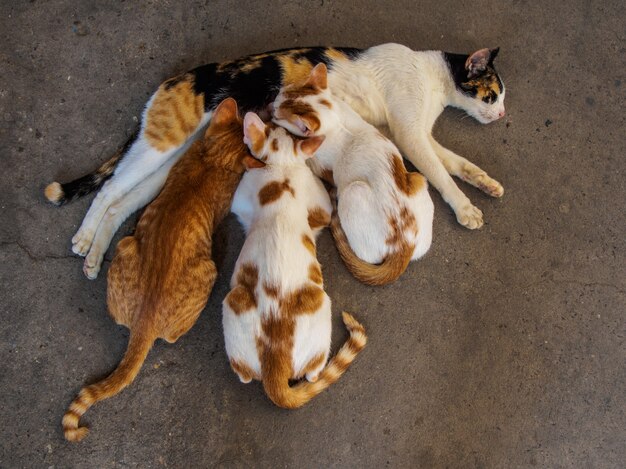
254 81
456 65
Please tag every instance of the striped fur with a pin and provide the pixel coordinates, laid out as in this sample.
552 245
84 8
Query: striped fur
139 345
386 272
161 277
291 397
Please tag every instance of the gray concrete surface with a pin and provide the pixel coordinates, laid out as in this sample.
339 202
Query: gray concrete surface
503 348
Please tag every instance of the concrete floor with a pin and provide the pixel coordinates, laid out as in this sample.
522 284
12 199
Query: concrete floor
502 348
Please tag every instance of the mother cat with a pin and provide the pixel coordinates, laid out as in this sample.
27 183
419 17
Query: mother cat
388 85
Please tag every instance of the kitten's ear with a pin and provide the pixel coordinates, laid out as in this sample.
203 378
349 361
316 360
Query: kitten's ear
310 145
477 62
252 163
225 113
493 53
319 76
253 132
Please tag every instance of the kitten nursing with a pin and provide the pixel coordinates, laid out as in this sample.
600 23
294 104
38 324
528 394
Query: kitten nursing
384 214
277 317
388 85
161 277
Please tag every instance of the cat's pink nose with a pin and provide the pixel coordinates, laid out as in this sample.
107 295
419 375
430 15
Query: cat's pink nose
501 114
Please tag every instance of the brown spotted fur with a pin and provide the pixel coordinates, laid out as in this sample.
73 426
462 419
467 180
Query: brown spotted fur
161 277
392 266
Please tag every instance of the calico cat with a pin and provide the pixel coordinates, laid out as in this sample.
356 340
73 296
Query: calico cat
389 86
160 278
384 214
277 317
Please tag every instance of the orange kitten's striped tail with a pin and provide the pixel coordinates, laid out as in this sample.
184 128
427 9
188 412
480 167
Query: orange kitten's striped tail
60 194
389 270
138 347
277 386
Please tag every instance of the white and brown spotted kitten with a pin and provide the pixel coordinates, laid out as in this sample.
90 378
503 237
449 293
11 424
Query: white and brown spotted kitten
384 214
277 317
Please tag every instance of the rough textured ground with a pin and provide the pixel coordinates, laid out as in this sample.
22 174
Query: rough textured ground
504 347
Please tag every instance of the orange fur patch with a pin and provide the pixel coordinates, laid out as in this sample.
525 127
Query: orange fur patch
315 273
405 181
242 298
294 70
334 54
305 300
308 243
272 191
318 217
174 114
271 290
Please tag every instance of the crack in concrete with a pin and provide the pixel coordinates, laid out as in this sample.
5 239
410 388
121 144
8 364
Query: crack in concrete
32 256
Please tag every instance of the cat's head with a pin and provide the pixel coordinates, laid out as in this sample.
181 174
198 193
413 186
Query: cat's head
306 108
224 134
271 144
479 89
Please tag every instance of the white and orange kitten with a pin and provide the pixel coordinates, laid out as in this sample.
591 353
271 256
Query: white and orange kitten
277 317
384 213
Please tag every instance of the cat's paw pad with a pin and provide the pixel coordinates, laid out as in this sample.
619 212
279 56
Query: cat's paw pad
81 242
470 217
92 264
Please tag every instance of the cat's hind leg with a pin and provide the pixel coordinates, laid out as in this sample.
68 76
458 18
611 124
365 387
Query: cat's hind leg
115 215
466 171
172 116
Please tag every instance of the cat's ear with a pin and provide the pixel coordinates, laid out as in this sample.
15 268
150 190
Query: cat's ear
310 145
477 62
319 76
493 53
225 113
253 132
252 163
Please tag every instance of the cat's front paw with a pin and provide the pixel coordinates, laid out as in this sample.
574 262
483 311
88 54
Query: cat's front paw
92 264
470 217
490 186
81 242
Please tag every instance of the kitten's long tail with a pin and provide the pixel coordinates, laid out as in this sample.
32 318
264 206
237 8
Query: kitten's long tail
373 274
60 194
139 345
277 384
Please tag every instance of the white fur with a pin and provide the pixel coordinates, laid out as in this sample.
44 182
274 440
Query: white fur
274 244
360 158
389 86
394 86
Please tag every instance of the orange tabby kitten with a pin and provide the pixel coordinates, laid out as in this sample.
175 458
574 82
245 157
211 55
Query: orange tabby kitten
161 278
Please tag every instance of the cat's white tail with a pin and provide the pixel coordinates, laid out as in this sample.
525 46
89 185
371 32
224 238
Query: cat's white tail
276 383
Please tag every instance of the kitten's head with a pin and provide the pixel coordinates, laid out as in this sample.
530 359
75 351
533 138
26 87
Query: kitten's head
273 145
305 109
480 90
224 134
